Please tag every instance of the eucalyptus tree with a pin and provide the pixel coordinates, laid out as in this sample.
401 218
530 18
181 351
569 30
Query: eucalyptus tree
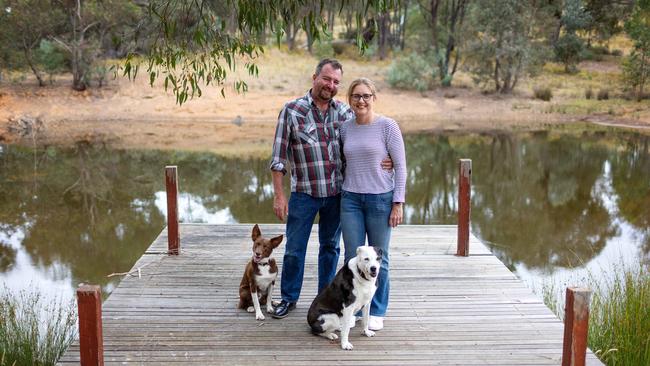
445 18
24 24
193 47
504 45
637 66
574 18
86 21
607 17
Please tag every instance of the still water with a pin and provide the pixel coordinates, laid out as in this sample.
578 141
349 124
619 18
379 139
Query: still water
550 206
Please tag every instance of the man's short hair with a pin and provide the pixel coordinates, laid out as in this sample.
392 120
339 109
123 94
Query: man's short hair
335 64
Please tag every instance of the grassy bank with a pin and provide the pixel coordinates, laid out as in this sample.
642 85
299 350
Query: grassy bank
32 332
619 321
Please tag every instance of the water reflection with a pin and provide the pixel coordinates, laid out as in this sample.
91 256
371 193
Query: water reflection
543 202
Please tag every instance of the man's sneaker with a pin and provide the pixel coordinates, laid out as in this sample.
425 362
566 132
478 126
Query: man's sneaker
283 309
376 322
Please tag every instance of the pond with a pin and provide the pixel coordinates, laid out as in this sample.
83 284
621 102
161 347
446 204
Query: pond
550 205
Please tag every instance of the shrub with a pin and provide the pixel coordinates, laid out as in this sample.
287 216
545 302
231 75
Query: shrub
617 52
589 93
32 333
52 59
413 72
544 93
323 49
603 94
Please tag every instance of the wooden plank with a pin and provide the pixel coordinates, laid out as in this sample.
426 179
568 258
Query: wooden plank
444 309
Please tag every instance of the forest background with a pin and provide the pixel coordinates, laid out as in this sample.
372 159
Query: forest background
221 70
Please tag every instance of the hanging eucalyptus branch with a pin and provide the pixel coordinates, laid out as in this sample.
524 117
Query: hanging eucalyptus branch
197 42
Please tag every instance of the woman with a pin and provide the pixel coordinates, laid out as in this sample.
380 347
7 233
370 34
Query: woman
372 198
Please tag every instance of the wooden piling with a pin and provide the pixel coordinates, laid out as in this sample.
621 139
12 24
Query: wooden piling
173 234
91 343
464 193
576 326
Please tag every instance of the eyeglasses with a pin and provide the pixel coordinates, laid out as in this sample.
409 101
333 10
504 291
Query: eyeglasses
357 97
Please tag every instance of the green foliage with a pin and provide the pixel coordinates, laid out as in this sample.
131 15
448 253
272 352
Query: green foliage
569 46
543 93
636 68
567 50
34 333
503 47
323 49
413 72
607 17
51 58
195 43
619 319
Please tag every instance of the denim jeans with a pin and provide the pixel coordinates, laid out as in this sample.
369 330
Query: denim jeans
366 215
302 211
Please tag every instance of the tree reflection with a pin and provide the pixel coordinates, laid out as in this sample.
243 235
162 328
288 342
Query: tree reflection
538 199
534 199
631 181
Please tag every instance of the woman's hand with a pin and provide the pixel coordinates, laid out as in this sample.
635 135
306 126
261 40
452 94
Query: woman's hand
396 214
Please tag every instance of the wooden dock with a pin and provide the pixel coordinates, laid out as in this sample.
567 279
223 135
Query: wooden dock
444 309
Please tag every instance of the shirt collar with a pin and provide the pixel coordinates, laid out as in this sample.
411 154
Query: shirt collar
310 100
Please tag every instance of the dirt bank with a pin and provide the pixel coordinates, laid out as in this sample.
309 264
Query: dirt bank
128 114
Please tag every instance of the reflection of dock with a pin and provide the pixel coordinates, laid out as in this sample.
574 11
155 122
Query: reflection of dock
444 309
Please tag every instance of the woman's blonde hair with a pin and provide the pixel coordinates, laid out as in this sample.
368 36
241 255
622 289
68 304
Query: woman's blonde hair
365 81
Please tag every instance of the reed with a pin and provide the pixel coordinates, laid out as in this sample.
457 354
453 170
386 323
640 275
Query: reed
33 332
619 320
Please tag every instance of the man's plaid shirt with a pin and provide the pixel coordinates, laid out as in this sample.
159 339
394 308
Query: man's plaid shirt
309 141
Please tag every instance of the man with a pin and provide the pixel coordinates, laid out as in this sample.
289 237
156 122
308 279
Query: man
307 138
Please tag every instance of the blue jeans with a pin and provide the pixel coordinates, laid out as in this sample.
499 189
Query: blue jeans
367 215
302 211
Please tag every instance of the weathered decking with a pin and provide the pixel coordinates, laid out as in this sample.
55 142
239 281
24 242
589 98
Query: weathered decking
443 310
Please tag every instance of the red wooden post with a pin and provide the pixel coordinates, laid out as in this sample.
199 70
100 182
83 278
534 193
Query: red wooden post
91 342
576 326
464 193
173 235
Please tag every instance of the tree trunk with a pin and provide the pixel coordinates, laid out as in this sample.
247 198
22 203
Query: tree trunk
433 12
32 66
383 35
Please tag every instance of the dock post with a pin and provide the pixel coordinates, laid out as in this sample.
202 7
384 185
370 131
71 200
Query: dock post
173 235
464 193
576 326
91 342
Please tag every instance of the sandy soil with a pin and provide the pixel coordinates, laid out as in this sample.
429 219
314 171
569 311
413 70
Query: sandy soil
128 114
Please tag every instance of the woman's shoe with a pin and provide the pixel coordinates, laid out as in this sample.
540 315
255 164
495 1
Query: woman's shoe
376 322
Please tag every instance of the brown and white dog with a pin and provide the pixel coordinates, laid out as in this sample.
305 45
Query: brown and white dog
259 275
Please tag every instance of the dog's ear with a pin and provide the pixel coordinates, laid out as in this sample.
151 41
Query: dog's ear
276 241
256 232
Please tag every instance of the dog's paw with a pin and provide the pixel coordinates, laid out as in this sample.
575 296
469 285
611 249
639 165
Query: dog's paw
347 346
259 316
332 336
250 309
368 333
269 309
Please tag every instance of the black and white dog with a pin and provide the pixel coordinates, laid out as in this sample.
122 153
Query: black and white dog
352 289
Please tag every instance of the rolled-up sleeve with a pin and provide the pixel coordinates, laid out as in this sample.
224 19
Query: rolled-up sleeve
279 156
